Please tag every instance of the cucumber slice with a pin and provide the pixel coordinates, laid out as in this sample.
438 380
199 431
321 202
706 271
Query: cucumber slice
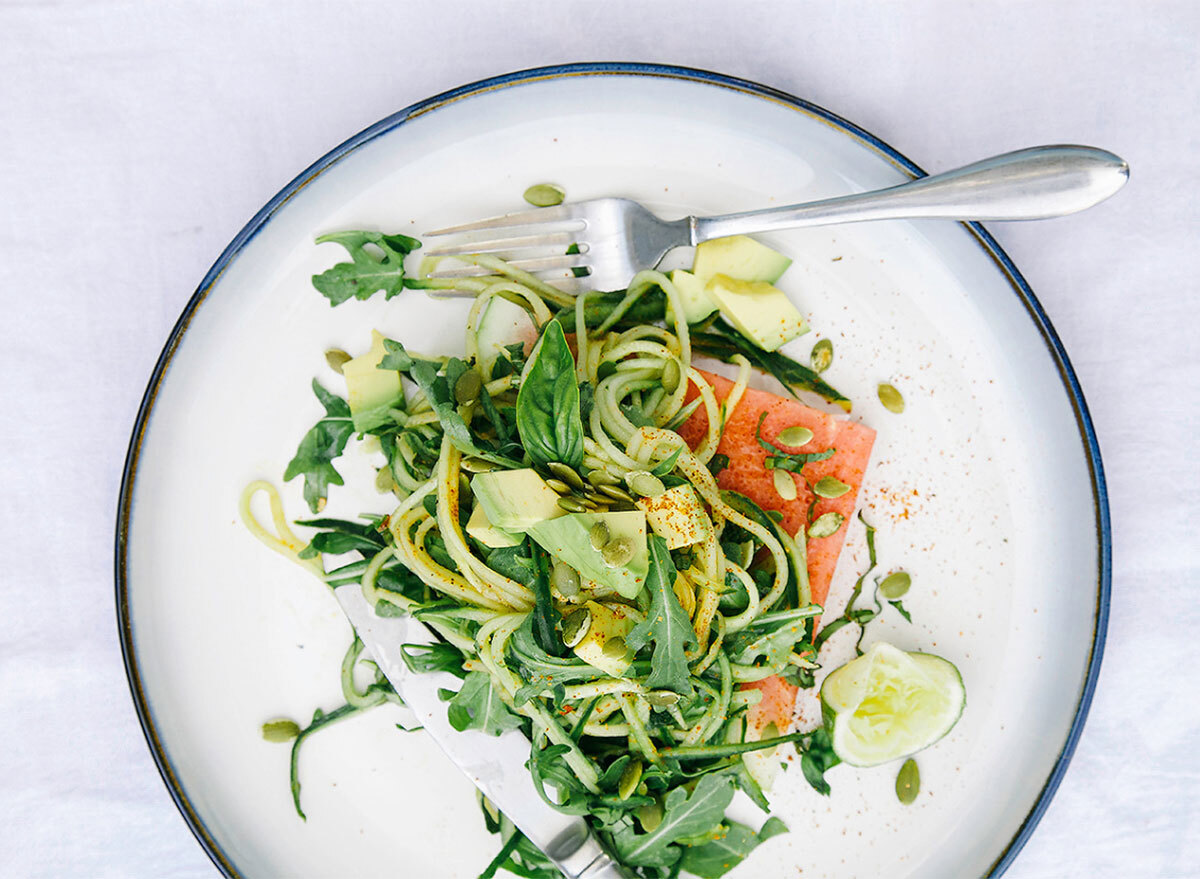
888 704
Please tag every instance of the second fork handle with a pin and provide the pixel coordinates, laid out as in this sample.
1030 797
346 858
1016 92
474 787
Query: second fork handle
1029 184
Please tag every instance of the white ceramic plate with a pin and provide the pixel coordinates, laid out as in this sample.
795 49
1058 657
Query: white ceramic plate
988 488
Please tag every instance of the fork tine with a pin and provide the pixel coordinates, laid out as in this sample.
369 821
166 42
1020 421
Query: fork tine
495 245
540 264
535 217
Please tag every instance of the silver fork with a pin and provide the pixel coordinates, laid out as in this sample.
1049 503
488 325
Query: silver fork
616 237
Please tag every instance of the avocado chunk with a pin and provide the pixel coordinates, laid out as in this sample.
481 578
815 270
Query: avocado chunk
739 257
370 391
677 516
513 500
488 534
762 312
695 302
568 539
603 646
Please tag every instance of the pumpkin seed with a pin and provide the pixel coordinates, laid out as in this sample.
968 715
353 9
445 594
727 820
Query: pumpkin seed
825 525
615 648
478 465
598 536
575 626
545 195
645 483
617 552
572 505
566 474
670 376
559 486
650 815
337 358
602 477
384 479
629 779
286 730
828 486
895 585
785 485
821 356
794 436
616 493
467 388
908 782
890 398
662 698
565 579
587 502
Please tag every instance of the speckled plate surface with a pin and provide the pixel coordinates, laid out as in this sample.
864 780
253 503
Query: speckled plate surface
987 488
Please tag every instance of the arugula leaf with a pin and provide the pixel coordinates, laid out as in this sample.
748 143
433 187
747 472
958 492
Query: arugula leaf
545 615
539 668
396 358
509 362
722 342
729 849
900 607
439 391
666 625
324 442
772 636
683 816
342 536
817 758
548 418
422 658
369 271
478 706
513 562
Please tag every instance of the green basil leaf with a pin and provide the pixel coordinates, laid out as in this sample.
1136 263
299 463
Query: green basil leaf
548 418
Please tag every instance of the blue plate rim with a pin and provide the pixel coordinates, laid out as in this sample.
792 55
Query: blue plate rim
1067 374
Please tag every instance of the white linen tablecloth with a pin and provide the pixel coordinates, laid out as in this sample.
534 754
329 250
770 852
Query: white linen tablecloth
139 136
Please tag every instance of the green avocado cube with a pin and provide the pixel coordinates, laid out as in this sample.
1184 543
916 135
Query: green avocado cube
568 539
739 257
513 500
488 534
603 646
371 391
762 312
694 301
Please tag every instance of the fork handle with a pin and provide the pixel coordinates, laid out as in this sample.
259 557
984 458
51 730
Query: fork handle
1029 184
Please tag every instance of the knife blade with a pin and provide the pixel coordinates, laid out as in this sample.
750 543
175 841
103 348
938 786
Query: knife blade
496 764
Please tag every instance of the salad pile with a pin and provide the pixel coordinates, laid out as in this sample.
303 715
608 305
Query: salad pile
623 555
